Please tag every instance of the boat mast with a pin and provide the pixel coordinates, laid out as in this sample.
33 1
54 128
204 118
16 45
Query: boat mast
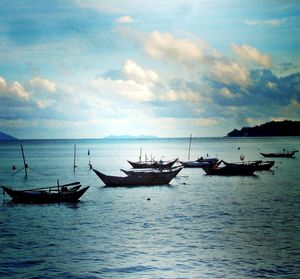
24 161
190 147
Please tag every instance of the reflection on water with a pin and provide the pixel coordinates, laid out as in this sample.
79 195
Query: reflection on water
199 226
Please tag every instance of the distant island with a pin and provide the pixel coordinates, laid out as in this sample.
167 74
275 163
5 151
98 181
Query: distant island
130 137
4 136
269 129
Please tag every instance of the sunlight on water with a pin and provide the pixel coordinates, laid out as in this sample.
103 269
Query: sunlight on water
199 226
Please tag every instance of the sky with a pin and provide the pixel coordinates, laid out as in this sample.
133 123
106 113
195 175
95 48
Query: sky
168 68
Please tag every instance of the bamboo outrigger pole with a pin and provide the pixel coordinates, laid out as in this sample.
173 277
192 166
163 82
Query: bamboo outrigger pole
24 161
190 147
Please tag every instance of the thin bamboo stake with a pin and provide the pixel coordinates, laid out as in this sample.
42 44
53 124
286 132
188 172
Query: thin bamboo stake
190 147
24 161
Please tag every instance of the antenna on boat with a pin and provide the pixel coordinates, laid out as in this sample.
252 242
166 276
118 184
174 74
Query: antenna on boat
25 165
74 164
190 147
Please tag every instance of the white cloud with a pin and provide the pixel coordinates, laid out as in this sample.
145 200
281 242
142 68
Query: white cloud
271 85
164 45
225 92
172 95
205 122
250 53
134 72
128 89
229 73
125 19
43 84
269 22
3 85
16 90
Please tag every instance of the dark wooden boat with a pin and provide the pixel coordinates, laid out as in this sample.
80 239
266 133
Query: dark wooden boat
231 169
264 165
259 164
152 164
200 163
140 178
71 192
280 155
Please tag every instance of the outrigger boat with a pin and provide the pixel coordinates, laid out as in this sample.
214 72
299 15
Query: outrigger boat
280 155
152 164
140 178
200 163
71 192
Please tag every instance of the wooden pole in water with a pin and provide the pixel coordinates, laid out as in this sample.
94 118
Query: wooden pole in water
24 161
140 154
90 165
190 147
74 165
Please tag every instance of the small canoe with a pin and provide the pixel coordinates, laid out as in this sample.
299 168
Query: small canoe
280 155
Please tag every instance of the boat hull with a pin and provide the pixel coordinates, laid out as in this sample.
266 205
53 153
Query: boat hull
231 170
205 163
138 179
279 155
150 164
44 196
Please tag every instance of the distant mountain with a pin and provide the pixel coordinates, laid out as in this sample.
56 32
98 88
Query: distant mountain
4 136
130 137
269 129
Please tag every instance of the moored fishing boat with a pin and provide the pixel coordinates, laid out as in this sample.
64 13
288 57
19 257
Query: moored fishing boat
199 163
231 169
152 164
259 164
140 178
71 192
284 154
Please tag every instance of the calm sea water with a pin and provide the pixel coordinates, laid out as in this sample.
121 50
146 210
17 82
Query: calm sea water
199 226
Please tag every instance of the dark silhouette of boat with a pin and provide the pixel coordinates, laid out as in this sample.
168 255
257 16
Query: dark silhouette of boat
71 192
140 178
199 163
259 164
152 164
231 169
280 155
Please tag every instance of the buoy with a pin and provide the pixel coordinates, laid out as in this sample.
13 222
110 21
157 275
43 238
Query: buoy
148 199
14 167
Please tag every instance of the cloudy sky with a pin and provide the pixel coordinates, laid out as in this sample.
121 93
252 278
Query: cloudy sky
91 68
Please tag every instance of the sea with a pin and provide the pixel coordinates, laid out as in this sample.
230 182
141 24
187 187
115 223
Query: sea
198 226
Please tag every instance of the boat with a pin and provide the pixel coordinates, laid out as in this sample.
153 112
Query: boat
199 163
140 178
71 192
152 164
259 164
149 171
230 169
280 155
